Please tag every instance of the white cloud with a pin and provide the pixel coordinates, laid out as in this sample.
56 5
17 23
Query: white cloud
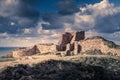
8 7
4 34
17 13
39 26
91 33
95 16
15 42
100 19
12 23
25 41
27 31
103 17
113 36
10 1
109 36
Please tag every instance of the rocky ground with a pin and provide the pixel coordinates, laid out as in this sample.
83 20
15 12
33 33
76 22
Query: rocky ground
52 67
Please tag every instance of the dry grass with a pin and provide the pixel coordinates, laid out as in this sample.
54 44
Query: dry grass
39 58
52 67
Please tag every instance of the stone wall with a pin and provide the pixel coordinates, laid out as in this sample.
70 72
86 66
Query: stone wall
37 49
46 48
65 38
92 44
18 52
70 43
77 36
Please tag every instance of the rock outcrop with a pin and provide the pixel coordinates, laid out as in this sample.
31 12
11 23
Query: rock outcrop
71 43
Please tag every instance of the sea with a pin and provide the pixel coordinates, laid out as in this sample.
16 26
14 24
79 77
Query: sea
6 50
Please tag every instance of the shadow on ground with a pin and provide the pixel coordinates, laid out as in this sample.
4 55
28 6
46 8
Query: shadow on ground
58 70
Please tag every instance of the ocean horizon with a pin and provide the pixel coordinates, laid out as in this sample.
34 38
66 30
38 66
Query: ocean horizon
6 50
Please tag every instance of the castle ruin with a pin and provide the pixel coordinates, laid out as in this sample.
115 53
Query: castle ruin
70 43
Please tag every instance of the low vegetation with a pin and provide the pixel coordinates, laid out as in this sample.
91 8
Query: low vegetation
98 52
76 68
4 59
111 44
94 52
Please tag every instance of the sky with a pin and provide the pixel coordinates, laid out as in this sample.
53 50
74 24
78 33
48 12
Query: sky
29 22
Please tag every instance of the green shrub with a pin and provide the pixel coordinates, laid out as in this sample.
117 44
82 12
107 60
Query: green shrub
2 59
94 52
111 44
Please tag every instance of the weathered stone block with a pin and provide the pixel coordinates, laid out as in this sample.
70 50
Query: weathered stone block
65 38
77 36
47 48
77 48
68 47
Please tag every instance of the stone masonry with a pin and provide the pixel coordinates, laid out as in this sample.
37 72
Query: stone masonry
70 43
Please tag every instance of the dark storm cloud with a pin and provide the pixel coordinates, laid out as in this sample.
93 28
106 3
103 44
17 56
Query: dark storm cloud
21 22
19 12
67 7
53 21
29 2
108 24
102 17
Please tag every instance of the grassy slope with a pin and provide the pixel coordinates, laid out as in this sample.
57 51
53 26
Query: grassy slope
6 59
79 67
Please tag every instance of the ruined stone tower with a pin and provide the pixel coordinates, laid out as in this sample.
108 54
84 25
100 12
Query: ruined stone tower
68 41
